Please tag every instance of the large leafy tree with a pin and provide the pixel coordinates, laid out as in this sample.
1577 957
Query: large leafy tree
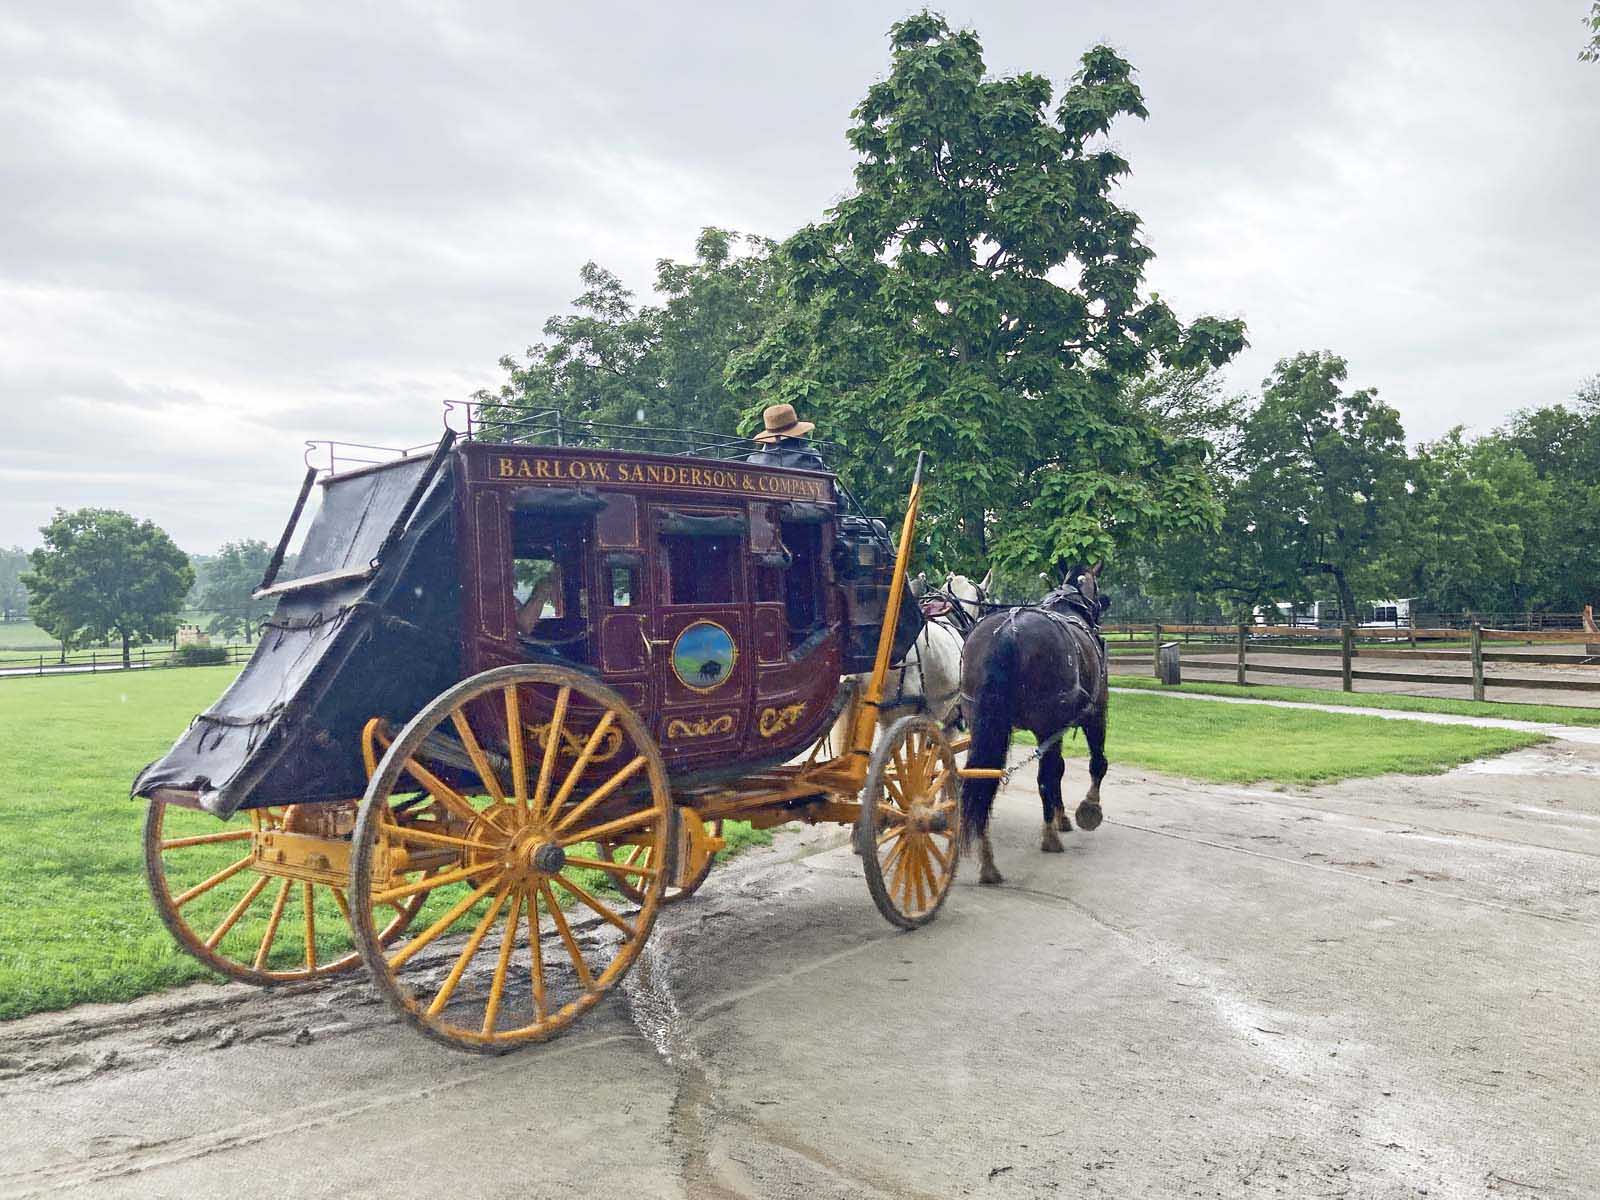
978 296
1327 475
103 574
13 596
231 578
614 360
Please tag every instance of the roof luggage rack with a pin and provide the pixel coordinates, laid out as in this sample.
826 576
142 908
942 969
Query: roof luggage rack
491 421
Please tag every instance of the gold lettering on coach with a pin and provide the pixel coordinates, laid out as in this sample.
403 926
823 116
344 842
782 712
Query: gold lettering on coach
666 475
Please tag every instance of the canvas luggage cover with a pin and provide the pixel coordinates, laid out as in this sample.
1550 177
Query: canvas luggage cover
375 637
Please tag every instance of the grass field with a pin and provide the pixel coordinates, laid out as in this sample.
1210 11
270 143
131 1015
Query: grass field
77 924
1556 714
1236 743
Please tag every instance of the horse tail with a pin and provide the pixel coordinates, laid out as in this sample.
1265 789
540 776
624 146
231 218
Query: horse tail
991 730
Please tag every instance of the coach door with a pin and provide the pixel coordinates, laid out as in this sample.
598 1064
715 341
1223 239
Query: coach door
702 652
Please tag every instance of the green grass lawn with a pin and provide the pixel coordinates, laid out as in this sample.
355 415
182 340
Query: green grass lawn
1237 743
77 923
1558 714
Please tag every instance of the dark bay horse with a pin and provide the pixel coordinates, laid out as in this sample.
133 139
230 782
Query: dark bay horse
1042 669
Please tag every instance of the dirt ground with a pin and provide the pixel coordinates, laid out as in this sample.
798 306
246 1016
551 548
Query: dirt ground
1384 988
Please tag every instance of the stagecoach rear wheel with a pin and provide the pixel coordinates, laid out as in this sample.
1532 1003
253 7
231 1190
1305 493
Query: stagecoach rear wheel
227 909
908 832
493 803
633 854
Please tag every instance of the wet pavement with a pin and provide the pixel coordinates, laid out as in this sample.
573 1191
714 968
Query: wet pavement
1383 988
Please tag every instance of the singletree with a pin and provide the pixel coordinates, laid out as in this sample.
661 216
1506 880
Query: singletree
102 574
978 296
231 577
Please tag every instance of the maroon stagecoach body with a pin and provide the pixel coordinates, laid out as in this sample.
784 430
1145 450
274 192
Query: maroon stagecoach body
723 600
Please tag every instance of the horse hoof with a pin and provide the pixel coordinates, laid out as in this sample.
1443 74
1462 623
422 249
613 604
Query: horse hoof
989 877
1089 816
1062 823
1050 843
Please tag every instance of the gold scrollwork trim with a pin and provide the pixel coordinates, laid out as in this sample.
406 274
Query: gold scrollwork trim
774 721
705 727
573 741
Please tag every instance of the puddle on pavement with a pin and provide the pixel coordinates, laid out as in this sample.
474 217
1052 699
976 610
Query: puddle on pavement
1530 762
658 1017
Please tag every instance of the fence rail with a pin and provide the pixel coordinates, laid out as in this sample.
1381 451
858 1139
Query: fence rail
95 662
1233 643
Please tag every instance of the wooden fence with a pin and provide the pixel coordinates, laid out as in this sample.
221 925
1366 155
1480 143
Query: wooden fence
1129 645
94 662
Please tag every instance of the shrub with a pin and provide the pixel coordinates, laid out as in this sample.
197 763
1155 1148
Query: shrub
199 656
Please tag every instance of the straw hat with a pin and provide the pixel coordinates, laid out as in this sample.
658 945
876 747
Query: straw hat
781 422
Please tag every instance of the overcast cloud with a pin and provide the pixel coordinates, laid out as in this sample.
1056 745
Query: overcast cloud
228 229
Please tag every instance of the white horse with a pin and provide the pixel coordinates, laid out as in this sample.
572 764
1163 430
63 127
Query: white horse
929 680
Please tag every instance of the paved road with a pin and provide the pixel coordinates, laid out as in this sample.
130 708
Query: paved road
1378 989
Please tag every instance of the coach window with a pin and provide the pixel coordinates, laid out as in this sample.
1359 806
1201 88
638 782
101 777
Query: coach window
547 581
802 581
701 569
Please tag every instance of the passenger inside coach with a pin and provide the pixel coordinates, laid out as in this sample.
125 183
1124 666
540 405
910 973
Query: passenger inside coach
548 594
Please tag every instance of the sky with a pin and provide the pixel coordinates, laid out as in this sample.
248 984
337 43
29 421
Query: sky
229 228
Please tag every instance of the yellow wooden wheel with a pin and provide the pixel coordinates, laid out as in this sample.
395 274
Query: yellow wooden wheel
240 915
908 831
491 803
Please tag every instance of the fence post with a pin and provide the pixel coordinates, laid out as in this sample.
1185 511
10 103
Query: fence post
1243 633
1477 660
1155 653
1347 638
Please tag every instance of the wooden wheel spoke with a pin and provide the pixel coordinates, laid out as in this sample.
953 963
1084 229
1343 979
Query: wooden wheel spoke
272 925
564 793
508 943
519 754
237 911
468 953
429 882
480 760
552 750
442 791
602 911
612 868
585 977
892 786
600 793
309 898
598 833
944 860
427 936
537 953
889 834
344 905
221 876
207 839
424 837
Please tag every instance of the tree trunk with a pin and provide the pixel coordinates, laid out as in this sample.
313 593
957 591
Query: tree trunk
1347 601
127 659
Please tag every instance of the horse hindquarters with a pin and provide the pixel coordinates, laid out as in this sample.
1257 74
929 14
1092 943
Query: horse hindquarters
994 699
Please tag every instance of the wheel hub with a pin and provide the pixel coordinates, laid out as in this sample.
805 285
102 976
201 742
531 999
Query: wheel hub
547 858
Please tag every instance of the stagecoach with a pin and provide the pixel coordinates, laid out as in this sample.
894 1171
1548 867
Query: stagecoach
513 686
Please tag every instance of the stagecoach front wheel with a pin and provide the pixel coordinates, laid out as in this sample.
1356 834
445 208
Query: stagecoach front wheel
908 832
226 903
493 804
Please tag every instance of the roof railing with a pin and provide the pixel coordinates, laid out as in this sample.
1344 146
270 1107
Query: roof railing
327 457
490 421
